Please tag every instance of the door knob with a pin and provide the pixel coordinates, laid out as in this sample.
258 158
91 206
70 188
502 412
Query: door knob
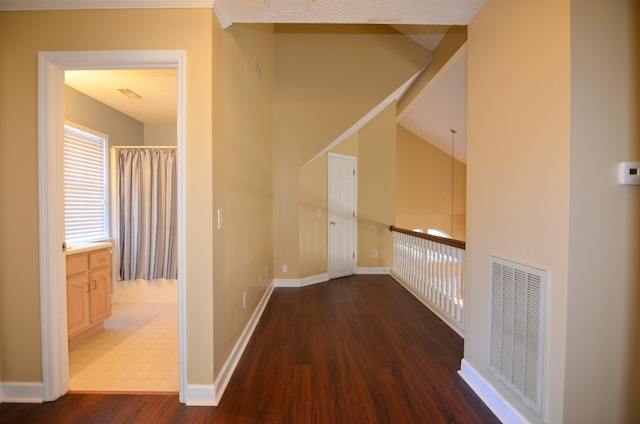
333 223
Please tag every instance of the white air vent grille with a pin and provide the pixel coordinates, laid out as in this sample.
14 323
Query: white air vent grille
517 329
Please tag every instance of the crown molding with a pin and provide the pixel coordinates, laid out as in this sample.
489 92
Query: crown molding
20 5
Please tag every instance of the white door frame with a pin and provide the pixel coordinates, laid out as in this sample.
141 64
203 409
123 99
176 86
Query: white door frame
329 213
53 301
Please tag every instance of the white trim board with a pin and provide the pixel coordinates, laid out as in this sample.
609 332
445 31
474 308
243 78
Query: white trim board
53 321
372 270
200 395
301 282
220 384
505 412
17 392
210 394
321 278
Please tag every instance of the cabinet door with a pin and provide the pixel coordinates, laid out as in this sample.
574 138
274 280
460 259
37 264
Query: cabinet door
100 294
77 303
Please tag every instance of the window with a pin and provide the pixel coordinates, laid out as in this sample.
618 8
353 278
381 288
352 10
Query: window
438 233
85 185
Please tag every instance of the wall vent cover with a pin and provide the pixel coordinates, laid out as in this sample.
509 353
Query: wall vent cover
517 329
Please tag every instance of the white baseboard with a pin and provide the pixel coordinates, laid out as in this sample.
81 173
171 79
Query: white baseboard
505 412
286 282
220 383
17 392
301 282
321 278
314 279
200 395
373 270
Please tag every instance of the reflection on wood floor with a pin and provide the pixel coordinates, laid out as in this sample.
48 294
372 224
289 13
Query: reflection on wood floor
358 349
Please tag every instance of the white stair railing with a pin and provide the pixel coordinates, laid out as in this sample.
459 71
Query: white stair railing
432 268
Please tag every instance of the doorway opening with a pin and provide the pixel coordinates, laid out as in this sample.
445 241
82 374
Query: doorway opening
52 67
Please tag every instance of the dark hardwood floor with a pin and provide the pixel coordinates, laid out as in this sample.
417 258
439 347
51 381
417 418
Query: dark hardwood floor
353 350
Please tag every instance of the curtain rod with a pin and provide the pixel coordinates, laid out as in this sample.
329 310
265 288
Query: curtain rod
143 147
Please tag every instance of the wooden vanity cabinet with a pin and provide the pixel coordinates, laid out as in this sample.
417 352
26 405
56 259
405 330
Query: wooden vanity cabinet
88 290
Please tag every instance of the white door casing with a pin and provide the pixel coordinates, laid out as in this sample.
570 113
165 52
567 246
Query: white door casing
53 306
342 186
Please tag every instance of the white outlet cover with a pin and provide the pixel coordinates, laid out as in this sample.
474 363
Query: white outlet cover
629 173
219 219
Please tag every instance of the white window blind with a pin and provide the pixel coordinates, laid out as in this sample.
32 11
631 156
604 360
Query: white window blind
85 186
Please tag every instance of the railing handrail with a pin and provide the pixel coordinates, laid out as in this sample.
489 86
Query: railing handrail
443 240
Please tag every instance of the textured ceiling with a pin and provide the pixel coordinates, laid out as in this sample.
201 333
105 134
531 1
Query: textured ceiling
432 12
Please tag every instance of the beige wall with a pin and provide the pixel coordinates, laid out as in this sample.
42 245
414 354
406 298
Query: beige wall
374 146
424 187
243 184
452 41
121 129
29 33
160 135
602 349
518 182
313 217
377 189
314 198
326 78
543 154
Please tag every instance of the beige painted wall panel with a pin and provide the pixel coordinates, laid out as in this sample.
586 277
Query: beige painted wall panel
377 189
349 146
452 41
424 187
243 184
82 109
31 32
327 77
160 135
313 218
603 317
518 169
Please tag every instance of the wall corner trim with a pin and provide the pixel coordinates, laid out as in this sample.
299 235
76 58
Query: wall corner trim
19 392
505 412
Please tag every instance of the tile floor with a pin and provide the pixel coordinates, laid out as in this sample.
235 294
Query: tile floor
136 352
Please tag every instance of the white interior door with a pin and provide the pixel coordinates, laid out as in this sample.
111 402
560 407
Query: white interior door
342 215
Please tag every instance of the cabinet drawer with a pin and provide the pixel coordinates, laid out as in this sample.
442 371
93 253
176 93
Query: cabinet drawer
77 263
99 258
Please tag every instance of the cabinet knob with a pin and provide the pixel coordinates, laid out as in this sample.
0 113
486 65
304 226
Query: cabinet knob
95 285
88 288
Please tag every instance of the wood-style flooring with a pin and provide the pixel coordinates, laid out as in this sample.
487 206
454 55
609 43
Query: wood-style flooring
358 349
